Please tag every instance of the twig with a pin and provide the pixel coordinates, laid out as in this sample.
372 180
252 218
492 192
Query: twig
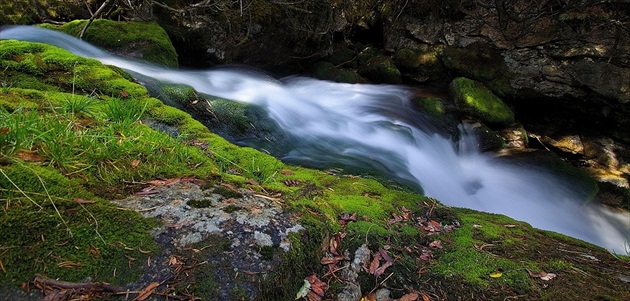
98 12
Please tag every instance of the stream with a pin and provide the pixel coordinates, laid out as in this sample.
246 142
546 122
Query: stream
376 127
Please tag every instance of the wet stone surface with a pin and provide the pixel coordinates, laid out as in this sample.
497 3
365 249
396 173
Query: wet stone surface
239 238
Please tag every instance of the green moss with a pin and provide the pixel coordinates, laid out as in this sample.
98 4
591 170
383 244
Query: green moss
147 38
327 71
205 203
474 98
381 69
72 241
481 62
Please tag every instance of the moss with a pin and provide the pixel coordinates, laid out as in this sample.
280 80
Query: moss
227 193
72 241
481 62
475 99
205 203
147 38
381 69
327 71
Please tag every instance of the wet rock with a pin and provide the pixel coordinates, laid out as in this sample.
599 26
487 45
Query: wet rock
475 99
381 69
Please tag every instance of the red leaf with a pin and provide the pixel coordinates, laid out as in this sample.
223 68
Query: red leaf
409 297
426 256
384 255
381 269
374 264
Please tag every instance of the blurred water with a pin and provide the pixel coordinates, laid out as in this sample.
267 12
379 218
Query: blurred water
375 126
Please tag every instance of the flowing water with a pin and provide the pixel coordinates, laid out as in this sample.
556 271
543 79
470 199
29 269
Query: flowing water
375 126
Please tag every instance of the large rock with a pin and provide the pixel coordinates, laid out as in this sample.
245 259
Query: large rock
475 99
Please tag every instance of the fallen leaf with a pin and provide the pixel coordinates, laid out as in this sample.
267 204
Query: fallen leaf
147 291
542 275
82 201
436 244
370 297
329 260
124 94
4 130
30 156
426 256
381 269
306 287
317 286
409 297
376 262
384 255
147 191
312 296
425 297
497 274
135 163
286 172
509 226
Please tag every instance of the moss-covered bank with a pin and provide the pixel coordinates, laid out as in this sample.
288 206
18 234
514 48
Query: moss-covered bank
75 133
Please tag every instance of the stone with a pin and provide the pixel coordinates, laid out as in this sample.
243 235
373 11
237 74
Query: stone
476 99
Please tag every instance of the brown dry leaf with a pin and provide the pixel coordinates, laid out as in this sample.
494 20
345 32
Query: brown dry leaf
252 182
436 244
312 296
30 156
2 267
147 191
384 255
333 260
509 226
425 297
381 269
317 286
542 275
409 297
4 130
82 201
426 256
436 225
135 163
286 172
147 291
374 264
370 297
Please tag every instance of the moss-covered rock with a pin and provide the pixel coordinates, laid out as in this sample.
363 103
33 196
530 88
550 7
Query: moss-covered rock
419 65
381 69
142 40
475 99
328 71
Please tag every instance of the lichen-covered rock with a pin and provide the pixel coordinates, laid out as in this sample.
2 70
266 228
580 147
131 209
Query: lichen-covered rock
475 99
141 40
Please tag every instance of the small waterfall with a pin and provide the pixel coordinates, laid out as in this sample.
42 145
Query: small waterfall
376 126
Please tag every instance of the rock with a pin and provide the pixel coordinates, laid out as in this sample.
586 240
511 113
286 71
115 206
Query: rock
145 41
475 99
328 71
381 69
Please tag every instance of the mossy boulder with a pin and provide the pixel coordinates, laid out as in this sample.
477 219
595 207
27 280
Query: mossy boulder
483 63
381 69
328 71
141 40
476 99
419 65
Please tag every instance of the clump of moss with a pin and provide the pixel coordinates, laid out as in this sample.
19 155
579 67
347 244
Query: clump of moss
475 99
143 40
381 69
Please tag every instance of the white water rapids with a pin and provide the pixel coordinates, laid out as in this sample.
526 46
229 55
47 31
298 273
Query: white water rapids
375 125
